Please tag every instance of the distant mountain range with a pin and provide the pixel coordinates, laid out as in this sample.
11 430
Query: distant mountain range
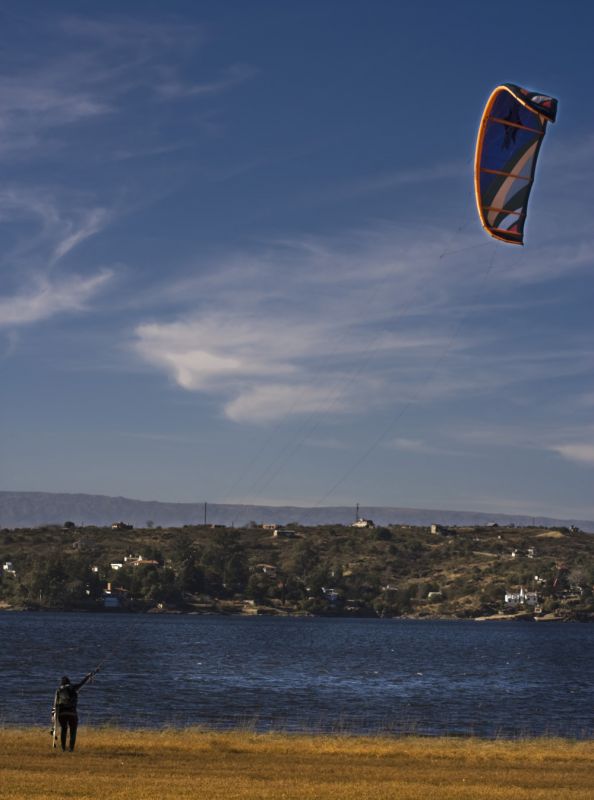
30 509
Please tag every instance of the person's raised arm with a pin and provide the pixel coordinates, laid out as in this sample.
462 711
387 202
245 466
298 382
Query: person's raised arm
87 677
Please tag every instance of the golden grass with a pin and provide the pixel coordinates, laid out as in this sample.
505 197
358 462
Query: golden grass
158 765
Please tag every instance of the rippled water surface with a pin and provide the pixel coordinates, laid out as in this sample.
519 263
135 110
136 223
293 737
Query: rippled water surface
488 679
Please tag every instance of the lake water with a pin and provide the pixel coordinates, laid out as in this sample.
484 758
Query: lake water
304 674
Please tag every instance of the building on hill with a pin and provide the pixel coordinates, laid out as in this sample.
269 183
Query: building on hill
363 523
140 561
521 598
121 526
440 529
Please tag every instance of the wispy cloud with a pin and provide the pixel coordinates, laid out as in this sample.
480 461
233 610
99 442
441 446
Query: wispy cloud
91 222
335 325
310 325
283 340
45 299
257 366
97 66
52 223
165 438
130 34
417 446
39 100
582 453
573 443
392 179
272 401
232 76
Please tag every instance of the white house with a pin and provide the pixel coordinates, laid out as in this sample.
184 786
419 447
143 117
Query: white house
521 598
8 567
363 523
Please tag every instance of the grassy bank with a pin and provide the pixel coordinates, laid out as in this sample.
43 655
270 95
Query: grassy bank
157 765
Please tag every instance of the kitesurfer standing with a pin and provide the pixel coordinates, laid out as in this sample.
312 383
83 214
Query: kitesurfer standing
64 711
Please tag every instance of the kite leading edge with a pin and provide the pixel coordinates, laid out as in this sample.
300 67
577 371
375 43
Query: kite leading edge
510 135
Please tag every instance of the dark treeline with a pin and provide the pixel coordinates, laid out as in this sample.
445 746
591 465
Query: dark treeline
327 570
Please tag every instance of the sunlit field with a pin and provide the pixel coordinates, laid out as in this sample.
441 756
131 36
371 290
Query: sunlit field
115 763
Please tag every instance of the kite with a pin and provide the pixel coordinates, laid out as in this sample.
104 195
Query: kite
509 139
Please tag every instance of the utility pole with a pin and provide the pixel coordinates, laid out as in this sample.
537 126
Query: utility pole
205 513
357 513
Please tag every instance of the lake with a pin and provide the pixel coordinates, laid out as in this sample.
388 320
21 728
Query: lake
304 674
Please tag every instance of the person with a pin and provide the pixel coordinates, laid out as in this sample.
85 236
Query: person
64 711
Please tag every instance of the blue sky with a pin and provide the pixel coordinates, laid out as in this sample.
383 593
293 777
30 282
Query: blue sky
241 261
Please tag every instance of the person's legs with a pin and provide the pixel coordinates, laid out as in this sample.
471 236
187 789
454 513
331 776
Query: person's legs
73 727
63 722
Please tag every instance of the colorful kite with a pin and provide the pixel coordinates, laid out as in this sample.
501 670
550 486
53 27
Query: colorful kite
510 135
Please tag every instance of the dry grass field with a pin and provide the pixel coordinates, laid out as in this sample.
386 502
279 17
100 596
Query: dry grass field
158 765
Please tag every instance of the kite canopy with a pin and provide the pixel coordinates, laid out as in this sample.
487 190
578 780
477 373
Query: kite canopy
510 135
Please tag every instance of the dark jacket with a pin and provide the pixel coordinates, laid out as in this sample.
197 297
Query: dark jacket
65 701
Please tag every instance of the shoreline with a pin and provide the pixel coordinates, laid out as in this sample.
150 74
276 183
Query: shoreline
267 612
247 729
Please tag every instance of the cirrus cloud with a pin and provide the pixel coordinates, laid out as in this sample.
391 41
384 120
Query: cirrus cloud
316 325
45 298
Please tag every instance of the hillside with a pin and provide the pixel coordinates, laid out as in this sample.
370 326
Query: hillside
28 509
337 570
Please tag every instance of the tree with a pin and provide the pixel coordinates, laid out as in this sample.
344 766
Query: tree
257 587
235 572
224 563
305 557
190 577
56 582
